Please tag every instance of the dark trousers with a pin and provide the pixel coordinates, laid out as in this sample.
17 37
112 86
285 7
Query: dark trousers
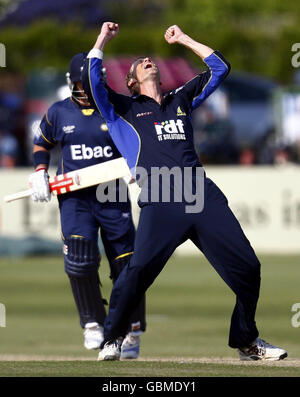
217 233
82 215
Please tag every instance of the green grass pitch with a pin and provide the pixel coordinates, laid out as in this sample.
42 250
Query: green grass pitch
188 316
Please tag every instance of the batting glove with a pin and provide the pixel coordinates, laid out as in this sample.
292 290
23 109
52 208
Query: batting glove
39 184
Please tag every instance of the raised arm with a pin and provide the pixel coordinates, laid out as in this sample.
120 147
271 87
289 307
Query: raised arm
199 88
106 100
175 35
113 107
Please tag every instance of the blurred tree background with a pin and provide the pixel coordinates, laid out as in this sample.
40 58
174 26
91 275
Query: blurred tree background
255 35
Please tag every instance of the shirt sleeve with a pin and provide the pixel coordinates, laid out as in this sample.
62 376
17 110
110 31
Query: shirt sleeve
109 103
201 86
45 135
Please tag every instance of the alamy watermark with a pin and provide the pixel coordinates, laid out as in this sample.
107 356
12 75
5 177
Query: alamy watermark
2 315
296 317
296 57
161 185
2 56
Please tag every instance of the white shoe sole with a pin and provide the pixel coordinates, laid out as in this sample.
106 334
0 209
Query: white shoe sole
109 358
255 358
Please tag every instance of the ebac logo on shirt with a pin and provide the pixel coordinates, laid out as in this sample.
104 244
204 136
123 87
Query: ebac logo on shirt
170 129
83 152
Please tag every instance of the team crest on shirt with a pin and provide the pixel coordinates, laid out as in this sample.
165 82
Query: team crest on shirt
180 112
87 112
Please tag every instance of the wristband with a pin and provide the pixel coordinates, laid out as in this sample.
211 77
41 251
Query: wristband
41 157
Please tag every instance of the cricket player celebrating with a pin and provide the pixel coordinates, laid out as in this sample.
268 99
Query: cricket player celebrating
82 134
153 130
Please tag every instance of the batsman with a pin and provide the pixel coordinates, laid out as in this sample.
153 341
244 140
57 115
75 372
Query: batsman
83 136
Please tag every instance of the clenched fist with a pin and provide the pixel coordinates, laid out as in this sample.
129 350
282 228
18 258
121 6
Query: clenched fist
174 34
109 30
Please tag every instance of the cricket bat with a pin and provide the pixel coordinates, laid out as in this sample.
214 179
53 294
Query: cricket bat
80 179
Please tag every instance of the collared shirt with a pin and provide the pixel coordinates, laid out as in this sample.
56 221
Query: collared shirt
82 133
146 133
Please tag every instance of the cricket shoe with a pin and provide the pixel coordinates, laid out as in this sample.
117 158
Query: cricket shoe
93 336
131 347
261 350
111 351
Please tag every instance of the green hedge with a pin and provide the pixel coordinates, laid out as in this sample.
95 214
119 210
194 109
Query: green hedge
255 35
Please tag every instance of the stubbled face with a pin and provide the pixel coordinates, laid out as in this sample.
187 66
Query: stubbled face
145 69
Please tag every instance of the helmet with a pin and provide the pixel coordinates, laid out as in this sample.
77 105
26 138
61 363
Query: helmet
74 74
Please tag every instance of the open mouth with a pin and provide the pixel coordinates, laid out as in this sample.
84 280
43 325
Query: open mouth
148 66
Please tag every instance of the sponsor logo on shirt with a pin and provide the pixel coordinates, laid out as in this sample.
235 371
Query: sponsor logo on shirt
144 114
77 179
87 112
170 129
83 152
68 129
